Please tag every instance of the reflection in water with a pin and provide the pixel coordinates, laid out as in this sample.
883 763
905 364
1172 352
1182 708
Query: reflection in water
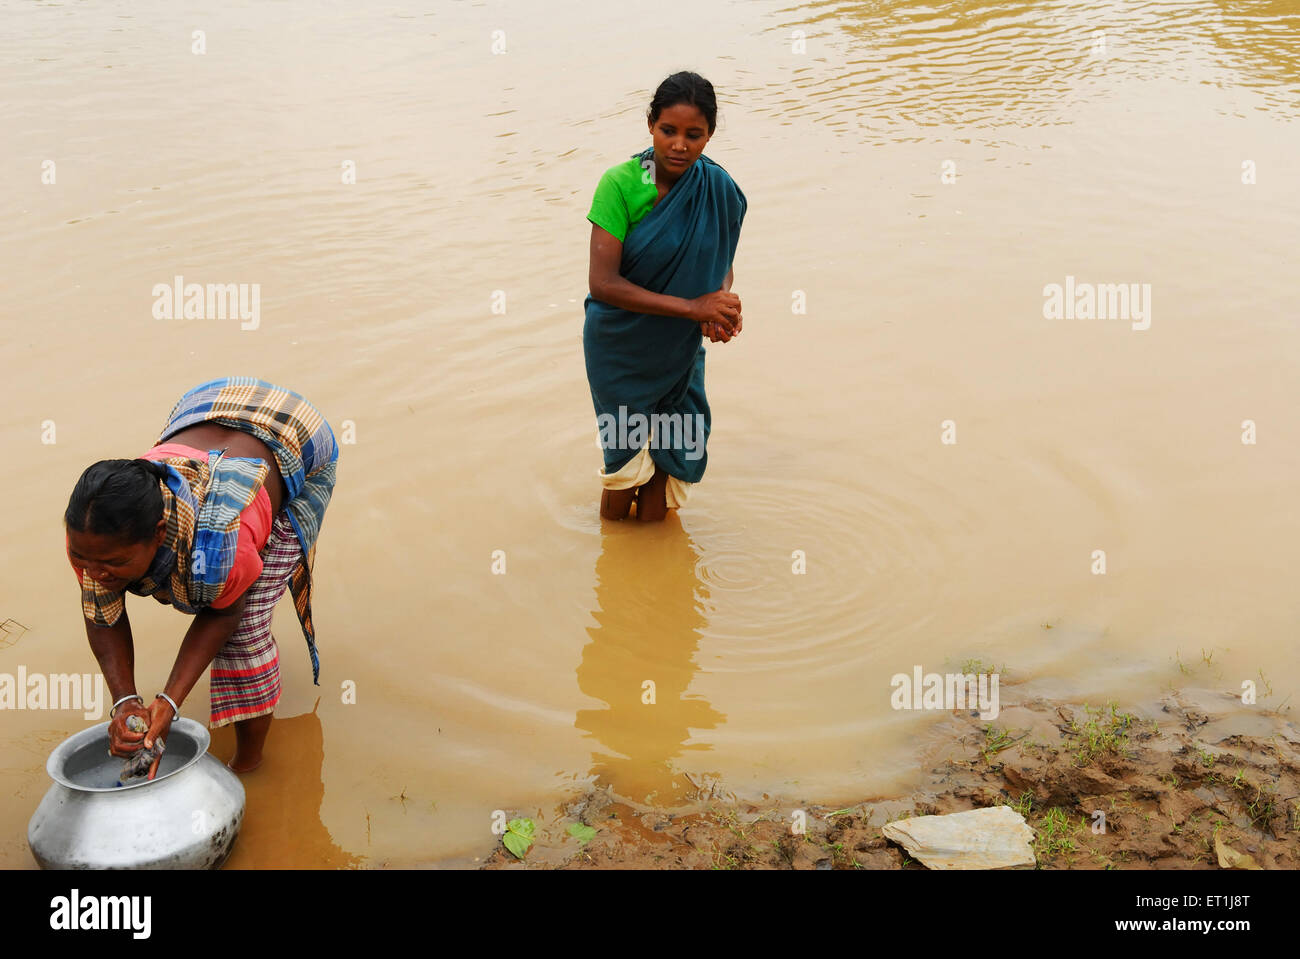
282 825
648 628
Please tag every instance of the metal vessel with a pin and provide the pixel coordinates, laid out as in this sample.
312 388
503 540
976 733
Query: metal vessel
186 818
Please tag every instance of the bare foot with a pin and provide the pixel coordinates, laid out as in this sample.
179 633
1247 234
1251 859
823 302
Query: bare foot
236 765
250 737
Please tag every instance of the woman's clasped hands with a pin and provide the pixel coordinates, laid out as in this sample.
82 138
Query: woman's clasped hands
718 314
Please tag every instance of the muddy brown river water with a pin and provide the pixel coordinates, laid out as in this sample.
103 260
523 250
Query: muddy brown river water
916 176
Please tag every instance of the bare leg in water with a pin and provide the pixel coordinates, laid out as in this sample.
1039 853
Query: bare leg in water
615 503
651 500
250 737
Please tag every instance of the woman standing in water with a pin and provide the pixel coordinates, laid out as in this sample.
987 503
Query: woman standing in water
664 228
217 519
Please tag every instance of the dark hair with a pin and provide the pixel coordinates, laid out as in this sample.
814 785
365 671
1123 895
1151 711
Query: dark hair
117 498
685 87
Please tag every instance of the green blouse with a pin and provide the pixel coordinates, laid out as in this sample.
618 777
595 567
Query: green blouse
624 195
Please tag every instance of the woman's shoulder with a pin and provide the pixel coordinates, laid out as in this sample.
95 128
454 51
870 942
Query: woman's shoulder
624 174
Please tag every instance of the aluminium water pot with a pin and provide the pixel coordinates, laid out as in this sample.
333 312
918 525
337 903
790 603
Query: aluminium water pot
186 818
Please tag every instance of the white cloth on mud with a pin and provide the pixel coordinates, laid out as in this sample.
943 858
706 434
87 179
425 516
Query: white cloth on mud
637 472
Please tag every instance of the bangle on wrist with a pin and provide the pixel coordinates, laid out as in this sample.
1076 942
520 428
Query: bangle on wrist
112 711
176 710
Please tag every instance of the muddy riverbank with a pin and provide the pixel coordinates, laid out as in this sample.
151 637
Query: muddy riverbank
1188 783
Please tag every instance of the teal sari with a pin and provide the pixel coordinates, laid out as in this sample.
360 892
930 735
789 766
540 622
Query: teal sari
652 367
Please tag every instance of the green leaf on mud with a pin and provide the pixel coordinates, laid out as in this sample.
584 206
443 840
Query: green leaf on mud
581 832
516 843
519 836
